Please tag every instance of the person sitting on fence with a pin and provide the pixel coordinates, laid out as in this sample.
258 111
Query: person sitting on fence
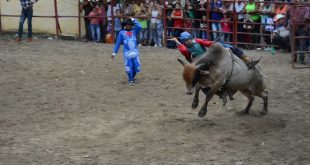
94 24
27 12
281 35
194 47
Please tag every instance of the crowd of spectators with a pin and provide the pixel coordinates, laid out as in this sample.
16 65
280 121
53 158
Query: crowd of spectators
212 20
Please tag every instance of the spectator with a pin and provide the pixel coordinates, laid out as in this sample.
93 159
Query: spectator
187 22
156 24
177 16
301 15
252 8
127 8
144 31
137 7
128 37
216 15
200 11
27 12
226 28
169 20
87 7
103 21
116 6
267 9
281 35
281 8
118 22
239 8
94 23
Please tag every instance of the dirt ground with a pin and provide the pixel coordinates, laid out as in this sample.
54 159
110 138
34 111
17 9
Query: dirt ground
67 102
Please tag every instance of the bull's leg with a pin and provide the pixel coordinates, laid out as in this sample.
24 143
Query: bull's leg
209 95
249 95
231 93
264 96
196 97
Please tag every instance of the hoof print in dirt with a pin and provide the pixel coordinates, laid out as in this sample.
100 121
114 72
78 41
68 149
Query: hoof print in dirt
263 113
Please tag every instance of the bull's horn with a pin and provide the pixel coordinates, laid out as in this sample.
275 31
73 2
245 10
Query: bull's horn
204 72
181 61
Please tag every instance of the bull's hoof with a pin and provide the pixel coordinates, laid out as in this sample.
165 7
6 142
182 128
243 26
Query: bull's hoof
195 104
263 113
202 113
244 112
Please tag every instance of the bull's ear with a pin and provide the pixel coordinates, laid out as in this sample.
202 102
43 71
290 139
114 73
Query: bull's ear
181 61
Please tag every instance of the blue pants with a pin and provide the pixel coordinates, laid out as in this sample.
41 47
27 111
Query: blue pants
216 27
132 67
26 13
95 32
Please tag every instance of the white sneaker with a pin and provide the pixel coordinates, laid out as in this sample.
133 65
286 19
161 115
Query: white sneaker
140 45
160 46
155 45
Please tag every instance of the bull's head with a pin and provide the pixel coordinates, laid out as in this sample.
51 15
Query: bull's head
193 74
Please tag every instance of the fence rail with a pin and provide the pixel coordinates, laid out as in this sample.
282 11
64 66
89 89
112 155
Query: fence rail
234 33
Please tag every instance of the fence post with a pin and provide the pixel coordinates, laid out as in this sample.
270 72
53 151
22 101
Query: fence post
79 19
112 21
165 24
235 25
293 47
0 22
56 18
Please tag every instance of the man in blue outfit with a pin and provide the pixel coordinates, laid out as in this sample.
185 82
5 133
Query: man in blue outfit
27 12
128 37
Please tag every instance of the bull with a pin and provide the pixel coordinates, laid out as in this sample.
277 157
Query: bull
219 68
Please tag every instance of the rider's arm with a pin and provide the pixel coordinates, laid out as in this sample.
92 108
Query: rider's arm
204 42
183 49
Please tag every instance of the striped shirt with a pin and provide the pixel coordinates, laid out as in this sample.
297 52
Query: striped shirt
27 3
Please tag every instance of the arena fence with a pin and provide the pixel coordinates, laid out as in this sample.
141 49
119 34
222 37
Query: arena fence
235 34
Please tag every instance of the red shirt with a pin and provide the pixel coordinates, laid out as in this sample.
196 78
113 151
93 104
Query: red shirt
178 23
183 49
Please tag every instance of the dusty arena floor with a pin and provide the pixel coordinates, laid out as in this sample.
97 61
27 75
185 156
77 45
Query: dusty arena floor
66 102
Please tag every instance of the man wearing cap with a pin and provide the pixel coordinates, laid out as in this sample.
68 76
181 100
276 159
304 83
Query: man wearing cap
194 47
281 35
128 37
27 12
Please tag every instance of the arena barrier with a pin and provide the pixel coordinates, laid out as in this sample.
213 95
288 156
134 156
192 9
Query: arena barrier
235 34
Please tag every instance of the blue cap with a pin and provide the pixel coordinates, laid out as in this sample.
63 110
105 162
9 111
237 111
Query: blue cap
185 36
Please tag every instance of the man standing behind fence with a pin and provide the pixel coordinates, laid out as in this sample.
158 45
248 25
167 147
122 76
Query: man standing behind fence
27 12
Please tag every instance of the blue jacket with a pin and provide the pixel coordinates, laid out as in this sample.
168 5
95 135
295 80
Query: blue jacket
129 40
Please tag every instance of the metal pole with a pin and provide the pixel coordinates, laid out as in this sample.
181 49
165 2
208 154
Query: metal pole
293 58
208 9
0 23
235 25
112 14
56 18
165 24
79 20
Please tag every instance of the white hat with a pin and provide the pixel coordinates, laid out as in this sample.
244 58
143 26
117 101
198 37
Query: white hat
108 0
278 16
